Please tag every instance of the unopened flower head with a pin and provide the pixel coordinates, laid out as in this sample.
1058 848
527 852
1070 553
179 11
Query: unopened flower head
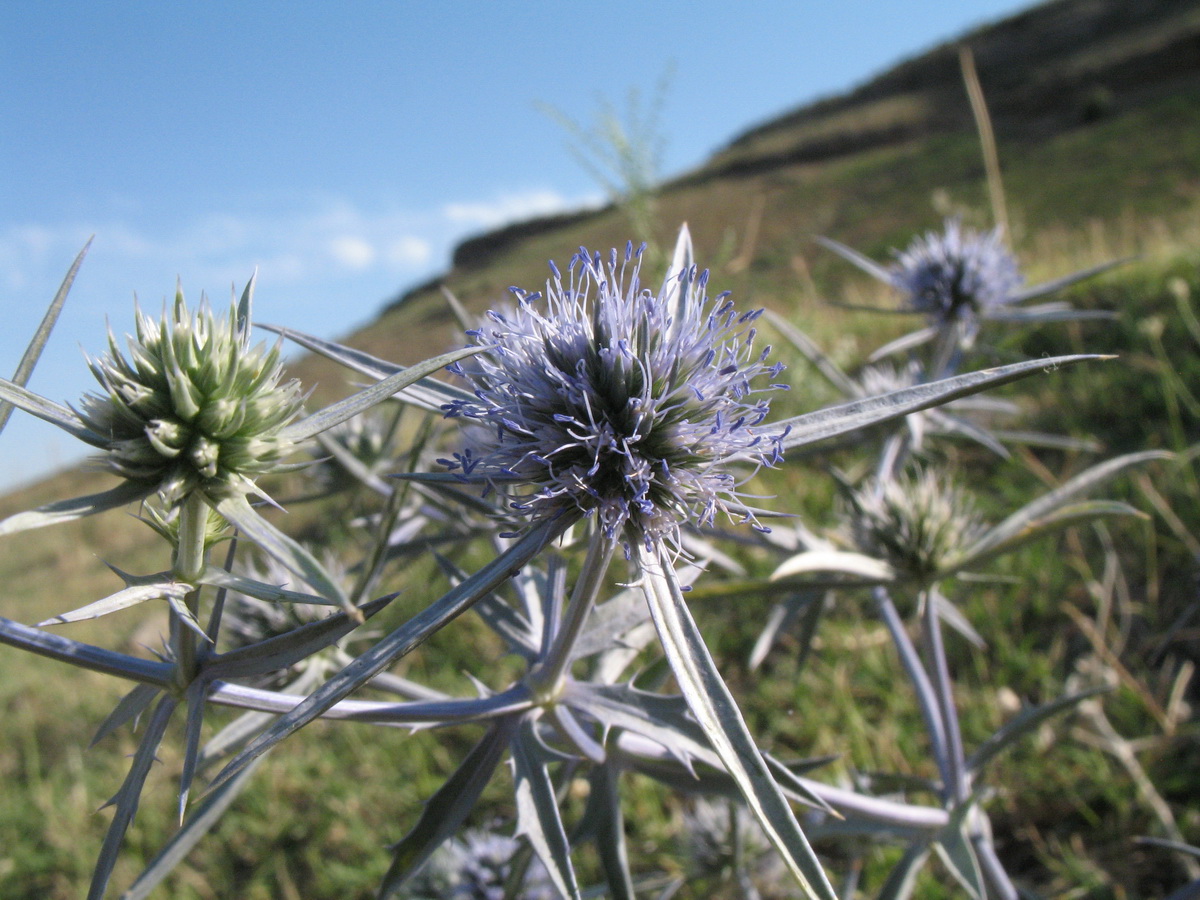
366 438
916 523
607 398
194 406
957 273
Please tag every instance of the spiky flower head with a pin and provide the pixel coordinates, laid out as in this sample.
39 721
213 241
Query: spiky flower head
193 406
366 438
957 273
607 398
916 523
479 867
722 835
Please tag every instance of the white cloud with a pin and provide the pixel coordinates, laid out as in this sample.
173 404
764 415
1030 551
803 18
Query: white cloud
352 252
410 250
506 208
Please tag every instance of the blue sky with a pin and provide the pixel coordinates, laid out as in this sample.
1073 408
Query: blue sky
343 149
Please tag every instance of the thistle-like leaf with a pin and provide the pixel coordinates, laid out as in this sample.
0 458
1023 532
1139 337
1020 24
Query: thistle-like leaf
846 417
238 512
718 715
403 380
851 255
538 817
448 807
604 823
49 411
409 635
956 851
76 508
427 394
214 576
191 741
286 650
128 709
1023 723
781 617
372 396
1028 518
203 819
902 880
38 342
509 624
660 718
123 599
126 799
1049 287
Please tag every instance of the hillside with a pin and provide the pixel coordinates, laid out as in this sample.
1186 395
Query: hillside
1094 106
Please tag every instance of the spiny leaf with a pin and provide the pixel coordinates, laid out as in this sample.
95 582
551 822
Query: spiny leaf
409 635
448 807
715 710
375 394
847 417
38 342
538 817
76 508
123 599
126 799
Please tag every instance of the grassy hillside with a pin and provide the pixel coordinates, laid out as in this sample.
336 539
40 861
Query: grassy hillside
1096 107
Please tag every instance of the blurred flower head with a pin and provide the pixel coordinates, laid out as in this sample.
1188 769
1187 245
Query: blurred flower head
478 867
248 620
193 406
606 398
915 523
955 274
723 836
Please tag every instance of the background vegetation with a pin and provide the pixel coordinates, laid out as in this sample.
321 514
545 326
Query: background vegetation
1096 108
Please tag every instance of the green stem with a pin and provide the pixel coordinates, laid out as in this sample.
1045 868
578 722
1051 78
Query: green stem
547 679
189 564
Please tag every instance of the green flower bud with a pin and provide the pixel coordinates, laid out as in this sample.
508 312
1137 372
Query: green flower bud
192 406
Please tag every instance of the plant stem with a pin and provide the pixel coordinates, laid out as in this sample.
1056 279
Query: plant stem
546 680
188 566
926 695
958 786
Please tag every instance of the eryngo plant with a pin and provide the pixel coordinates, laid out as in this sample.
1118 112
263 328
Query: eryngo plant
608 398
958 278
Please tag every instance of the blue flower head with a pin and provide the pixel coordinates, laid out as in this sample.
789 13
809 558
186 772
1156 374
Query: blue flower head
954 275
606 398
